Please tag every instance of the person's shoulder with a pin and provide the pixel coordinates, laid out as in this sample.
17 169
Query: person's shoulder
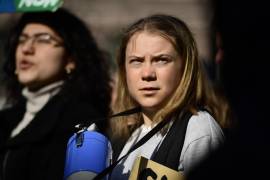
7 109
10 113
3 112
203 124
203 120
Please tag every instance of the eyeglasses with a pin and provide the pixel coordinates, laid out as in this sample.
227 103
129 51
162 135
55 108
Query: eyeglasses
39 39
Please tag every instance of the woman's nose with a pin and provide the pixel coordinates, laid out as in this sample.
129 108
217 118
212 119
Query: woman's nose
148 73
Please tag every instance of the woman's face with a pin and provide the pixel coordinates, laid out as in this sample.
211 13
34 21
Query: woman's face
153 70
40 57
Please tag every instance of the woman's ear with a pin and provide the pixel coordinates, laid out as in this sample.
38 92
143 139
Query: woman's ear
70 66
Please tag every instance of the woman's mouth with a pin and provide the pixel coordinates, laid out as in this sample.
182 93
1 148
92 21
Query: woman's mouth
149 90
24 65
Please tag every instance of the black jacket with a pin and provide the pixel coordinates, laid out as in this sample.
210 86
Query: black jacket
38 152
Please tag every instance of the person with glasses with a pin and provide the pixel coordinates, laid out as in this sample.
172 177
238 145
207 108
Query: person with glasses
160 72
56 77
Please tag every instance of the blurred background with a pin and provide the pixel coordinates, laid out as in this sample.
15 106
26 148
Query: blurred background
107 19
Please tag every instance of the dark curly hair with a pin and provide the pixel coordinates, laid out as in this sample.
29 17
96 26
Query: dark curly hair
90 81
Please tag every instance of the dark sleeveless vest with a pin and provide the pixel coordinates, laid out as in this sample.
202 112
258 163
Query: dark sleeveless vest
169 151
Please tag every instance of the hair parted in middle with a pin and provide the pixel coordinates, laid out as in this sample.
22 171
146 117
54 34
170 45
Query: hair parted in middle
194 89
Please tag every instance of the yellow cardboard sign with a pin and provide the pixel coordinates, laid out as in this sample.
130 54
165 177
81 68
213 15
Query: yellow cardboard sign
145 169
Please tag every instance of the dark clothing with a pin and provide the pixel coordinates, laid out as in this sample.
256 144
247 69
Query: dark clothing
175 140
38 152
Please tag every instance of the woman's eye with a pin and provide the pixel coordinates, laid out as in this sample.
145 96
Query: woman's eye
44 38
135 61
161 61
43 41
